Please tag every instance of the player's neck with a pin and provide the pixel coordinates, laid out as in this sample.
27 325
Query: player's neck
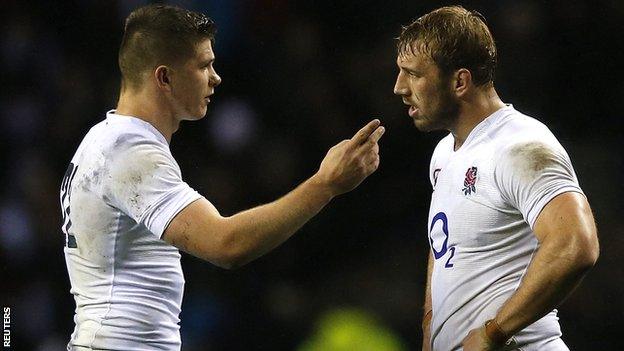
473 111
142 105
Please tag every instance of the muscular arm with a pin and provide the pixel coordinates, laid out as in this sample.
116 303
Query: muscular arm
233 241
568 248
230 242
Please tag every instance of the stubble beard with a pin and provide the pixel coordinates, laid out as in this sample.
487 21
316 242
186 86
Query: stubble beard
443 116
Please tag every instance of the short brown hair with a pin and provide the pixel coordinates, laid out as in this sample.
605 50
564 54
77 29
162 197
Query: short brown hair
453 38
159 34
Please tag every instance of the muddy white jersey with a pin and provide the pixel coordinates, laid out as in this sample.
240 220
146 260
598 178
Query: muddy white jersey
120 191
486 198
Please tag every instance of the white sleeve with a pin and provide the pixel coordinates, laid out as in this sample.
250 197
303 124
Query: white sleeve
146 184
530 174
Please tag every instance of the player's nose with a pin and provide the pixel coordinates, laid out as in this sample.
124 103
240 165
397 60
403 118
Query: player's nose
400 88
215 79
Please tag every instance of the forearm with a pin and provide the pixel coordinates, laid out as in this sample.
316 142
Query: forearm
232 241
256 231
427 309
427 303
556 269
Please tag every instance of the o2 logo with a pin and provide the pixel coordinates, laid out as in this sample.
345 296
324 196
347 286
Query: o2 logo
439 238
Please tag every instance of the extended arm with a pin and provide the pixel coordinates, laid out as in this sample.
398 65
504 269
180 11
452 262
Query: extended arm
568 248
229 242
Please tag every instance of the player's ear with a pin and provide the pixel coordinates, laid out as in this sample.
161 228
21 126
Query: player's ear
461 81
162 75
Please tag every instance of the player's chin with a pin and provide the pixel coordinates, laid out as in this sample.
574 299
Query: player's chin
422 125
419 123
199 113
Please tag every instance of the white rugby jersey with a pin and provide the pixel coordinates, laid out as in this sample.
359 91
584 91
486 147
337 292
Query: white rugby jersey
486 198
119 193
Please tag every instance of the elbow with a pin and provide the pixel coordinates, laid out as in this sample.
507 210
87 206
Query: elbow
231 254
225 264
229 263
588 250
593 252
578 250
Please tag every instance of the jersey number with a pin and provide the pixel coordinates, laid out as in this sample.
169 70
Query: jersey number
443 236
70 239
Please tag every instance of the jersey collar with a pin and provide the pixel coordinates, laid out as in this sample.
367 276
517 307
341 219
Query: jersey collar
112 115
483 125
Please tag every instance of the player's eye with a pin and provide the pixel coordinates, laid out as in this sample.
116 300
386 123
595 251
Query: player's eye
410 73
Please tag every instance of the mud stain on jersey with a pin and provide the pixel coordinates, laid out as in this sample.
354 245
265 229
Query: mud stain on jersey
530 159
131 177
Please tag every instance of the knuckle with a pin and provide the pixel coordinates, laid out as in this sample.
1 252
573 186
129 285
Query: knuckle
362 164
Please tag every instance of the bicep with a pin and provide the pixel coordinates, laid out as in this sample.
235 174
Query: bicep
567 217
198 230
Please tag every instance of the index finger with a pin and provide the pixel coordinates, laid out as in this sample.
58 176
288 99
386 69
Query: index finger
362 135
376 135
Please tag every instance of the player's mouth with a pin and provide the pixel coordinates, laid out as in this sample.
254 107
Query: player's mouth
413 111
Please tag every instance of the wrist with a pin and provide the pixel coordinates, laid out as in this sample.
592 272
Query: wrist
322 186
495 333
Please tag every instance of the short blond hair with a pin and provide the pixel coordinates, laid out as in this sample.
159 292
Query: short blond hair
453 38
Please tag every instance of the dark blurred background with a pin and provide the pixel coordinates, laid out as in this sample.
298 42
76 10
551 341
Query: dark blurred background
298 77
